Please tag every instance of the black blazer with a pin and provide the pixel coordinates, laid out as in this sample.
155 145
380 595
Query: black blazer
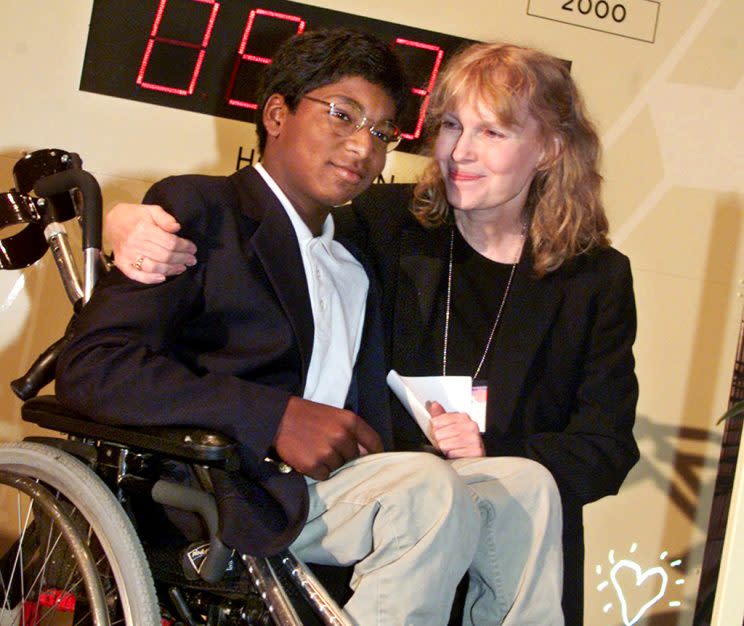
562 388
223 345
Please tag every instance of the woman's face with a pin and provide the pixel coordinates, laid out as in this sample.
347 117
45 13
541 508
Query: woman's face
485 164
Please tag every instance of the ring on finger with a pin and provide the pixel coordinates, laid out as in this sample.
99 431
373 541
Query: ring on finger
138 262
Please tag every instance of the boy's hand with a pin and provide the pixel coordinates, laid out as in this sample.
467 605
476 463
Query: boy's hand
316 439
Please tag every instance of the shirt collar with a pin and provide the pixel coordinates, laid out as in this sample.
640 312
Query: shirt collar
304 236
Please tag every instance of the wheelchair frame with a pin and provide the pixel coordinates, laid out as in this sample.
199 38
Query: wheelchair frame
82 485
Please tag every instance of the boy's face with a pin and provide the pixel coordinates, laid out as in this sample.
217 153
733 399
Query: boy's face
313 165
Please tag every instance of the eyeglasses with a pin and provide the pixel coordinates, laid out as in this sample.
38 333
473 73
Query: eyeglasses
346 118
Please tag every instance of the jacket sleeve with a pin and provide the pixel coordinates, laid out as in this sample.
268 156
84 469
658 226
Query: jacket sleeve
122 365
587 443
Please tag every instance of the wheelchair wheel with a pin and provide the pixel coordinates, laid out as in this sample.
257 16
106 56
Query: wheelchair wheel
73 556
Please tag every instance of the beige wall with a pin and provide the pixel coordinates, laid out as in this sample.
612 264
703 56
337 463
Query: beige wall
670 114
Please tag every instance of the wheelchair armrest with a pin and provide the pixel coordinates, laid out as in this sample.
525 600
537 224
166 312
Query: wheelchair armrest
194 445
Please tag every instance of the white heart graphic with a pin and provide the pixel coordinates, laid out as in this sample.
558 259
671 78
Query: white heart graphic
640 577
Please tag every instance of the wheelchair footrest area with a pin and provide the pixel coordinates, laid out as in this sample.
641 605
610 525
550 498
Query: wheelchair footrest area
165 563
191 444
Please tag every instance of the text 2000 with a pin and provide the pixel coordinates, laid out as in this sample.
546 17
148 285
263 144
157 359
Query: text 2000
601 8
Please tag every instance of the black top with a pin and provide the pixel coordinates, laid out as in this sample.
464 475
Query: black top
478 286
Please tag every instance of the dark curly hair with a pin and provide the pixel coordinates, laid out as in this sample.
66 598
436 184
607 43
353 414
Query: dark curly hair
314 59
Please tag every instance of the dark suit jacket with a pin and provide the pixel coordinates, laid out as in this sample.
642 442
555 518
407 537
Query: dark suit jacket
562 388
223 345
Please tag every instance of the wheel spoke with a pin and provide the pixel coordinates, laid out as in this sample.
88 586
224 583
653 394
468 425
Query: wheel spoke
73 538
18 561
44 567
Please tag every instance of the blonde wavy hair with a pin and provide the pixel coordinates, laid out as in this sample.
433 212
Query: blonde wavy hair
564 209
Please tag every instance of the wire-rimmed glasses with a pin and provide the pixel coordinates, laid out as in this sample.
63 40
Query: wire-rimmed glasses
347 117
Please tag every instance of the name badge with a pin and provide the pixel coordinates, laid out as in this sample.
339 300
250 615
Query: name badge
478 406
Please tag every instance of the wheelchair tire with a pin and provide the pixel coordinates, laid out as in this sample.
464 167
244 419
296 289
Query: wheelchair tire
103 526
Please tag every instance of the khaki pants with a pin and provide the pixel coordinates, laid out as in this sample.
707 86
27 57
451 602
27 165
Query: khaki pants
413 523
410 526
516 578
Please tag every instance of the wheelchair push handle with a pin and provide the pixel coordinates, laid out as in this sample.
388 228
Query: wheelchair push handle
91 218
49 189
77 178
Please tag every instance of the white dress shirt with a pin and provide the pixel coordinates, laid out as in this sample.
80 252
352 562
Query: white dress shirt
338 287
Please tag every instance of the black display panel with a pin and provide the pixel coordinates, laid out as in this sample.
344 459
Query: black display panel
206 55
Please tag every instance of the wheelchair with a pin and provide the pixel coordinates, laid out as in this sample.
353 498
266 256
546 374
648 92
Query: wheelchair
87 509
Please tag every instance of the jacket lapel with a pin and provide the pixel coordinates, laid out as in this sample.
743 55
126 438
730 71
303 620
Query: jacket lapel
276 246
423 255
529 313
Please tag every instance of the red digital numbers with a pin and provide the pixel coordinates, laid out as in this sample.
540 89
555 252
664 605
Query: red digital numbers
244 57
181 33
193 49
425 91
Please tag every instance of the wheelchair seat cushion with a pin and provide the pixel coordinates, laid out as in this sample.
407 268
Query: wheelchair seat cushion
196 445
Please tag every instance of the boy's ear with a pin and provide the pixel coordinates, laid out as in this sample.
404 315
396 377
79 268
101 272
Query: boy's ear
274 113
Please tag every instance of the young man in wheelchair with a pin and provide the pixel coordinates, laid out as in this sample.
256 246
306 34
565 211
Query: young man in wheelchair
274 338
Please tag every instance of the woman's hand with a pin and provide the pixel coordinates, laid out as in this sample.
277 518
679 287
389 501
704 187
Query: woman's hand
146 248
456 435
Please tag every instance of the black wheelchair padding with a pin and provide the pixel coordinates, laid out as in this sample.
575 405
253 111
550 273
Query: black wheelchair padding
41 163
25 246
195 445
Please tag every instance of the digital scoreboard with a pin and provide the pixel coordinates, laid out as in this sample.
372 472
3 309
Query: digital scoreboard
207 55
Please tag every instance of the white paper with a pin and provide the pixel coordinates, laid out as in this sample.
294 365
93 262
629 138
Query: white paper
454 393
